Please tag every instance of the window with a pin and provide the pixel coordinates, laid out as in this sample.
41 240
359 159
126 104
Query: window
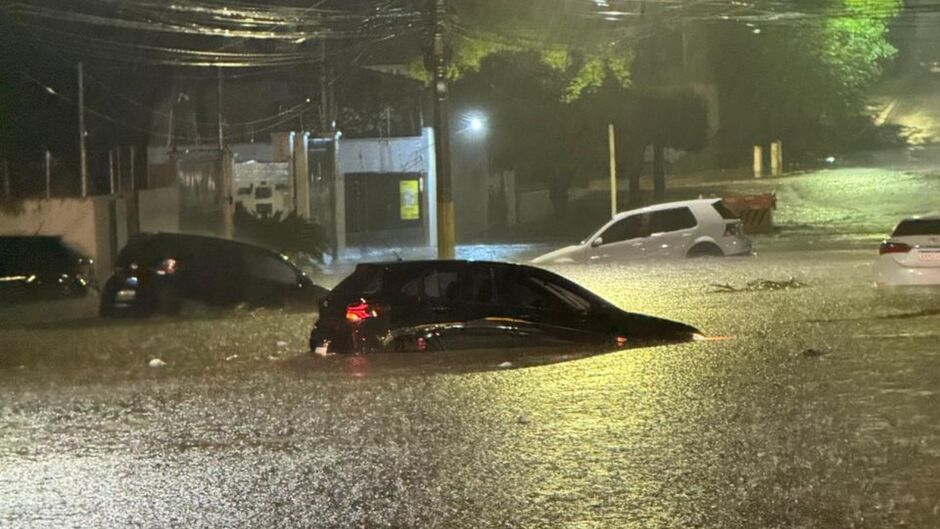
437 284
723 210
669 220
269 268
917 227
625 229
244 191
480 286
263 192
568 297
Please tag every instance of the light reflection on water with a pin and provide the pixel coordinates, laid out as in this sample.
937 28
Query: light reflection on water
749 432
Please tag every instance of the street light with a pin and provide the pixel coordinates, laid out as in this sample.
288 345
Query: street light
474 123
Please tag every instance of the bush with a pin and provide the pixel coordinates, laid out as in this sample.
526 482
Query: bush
288 234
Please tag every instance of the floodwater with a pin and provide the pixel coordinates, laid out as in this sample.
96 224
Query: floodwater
819 408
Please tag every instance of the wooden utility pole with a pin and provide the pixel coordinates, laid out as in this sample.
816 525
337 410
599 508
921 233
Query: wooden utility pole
613 169
81 129
446 236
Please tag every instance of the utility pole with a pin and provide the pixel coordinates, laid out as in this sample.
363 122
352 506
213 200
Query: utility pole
81 129
324 94
111 170
218 93
613 169
446 237
131 163
47 164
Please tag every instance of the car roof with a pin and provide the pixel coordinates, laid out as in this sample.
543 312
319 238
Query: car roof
431 262
191 238
668 205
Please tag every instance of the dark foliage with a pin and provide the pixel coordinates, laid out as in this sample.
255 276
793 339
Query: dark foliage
288 234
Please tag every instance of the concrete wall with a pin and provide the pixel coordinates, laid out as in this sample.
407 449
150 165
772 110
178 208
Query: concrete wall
84 223
159 209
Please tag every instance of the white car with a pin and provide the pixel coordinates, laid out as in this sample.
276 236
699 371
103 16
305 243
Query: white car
692 228
911 256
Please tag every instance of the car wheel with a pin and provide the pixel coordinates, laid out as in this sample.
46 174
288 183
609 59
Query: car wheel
705 249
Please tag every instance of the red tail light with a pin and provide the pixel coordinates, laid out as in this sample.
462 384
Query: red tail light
359 311
166 267
893 247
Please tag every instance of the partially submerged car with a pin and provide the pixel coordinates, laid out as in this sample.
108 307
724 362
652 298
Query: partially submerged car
692 228
156 273
911 255
38 267
445 305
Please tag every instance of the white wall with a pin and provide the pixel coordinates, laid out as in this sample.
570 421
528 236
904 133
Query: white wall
385 155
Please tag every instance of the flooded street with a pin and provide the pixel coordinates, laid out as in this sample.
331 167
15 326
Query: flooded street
819 409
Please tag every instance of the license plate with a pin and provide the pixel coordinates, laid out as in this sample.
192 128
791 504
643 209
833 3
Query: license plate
930 256
125 295
322 349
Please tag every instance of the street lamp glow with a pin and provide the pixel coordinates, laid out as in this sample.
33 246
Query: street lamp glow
477 124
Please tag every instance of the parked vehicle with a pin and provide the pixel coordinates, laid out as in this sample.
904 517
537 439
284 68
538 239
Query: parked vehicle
157 272
911 255
693 228
444 305
41 267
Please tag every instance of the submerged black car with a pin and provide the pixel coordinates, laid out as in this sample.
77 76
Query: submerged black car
443 305
41 267
155 273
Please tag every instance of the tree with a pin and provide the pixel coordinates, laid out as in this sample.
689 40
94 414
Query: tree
791 81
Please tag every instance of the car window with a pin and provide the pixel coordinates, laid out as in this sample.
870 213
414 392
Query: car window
723 210
917 227
479 286
365 280
625 229
436 284
567 296
269 267
263 192
669 220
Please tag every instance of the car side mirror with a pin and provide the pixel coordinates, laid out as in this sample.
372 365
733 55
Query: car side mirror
597 242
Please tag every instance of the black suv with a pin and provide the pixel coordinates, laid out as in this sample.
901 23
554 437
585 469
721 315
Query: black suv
156 272
442 305
41 267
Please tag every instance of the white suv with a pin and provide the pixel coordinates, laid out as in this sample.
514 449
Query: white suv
911 256
692 228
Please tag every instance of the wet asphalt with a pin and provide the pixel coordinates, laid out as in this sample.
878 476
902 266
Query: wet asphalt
818 408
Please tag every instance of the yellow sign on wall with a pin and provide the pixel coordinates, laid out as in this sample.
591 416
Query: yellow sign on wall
409 196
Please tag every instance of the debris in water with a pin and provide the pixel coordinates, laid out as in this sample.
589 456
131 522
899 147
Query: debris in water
506 364
281 343
758 285
156 362
813 353
230 358
523 419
